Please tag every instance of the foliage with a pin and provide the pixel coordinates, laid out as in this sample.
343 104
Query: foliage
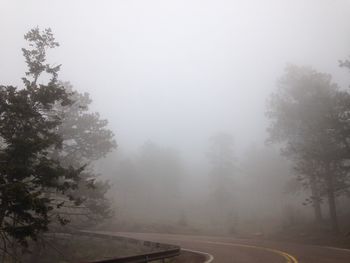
310 116
223 166
28 131
147 186
85 139
48 143
222 180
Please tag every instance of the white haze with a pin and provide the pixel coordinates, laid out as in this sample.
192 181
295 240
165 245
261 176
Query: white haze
176 72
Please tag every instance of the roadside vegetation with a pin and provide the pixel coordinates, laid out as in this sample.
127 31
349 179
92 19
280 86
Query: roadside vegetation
60 171
49 141
295 186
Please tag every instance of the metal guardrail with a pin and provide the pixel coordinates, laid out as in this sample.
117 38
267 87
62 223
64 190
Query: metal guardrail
164 250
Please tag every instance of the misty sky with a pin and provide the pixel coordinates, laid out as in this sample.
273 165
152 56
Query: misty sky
176 72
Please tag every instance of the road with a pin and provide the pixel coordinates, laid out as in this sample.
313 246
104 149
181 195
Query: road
225 250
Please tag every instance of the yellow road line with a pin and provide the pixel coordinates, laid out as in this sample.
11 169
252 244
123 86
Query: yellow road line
288 257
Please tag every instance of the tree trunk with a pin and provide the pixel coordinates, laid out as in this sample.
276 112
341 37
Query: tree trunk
316 202
331 202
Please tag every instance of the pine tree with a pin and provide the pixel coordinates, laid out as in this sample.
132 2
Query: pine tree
28 133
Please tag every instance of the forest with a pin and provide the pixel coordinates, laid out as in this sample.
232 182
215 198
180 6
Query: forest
168 138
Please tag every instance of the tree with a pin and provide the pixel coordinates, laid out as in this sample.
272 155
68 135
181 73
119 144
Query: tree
264 173
28 131
309 115
221 157
222 160
85 139
147 185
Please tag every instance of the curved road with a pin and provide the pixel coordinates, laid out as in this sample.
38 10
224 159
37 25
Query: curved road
225 250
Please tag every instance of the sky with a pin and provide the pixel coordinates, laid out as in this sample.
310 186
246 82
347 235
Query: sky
177 72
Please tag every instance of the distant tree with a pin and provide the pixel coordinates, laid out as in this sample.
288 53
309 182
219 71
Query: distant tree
309 115
161 167
267 174
222 174
222 160
85 139
147 185
28 132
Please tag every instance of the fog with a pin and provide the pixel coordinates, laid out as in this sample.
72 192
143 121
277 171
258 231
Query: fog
194 67
173 74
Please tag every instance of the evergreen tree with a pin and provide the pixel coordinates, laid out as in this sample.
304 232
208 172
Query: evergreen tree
85 139
28 133
309 116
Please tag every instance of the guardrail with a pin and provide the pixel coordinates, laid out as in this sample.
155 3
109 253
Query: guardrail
163 252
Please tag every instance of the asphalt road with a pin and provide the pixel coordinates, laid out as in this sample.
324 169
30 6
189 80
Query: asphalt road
226 250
